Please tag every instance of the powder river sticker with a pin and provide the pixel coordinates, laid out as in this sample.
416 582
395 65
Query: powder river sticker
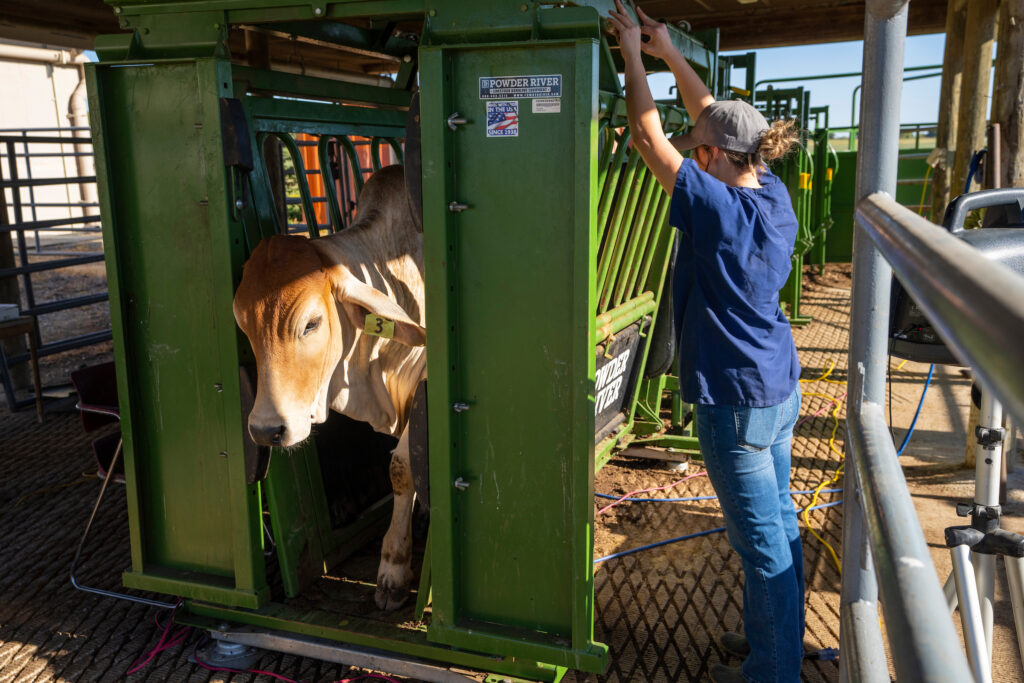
520 87
502 119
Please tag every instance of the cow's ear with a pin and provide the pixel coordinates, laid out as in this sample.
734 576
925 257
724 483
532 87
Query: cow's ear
359 299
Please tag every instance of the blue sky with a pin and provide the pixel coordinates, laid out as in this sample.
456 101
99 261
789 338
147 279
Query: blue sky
920 99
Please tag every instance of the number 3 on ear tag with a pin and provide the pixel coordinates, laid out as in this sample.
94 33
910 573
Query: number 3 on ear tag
377 326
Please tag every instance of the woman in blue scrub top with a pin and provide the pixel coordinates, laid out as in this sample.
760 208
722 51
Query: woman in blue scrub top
737 363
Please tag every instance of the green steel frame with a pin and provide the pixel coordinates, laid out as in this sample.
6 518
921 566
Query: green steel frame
564 244
808 173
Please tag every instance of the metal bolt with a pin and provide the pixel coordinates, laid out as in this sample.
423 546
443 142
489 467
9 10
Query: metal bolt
456 119
219 387
460 407
117 10
461 484
239 204
456 207
407 59
223 454
433 13
317 11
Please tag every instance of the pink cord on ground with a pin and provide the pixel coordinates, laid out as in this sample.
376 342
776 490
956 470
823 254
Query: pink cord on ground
831 403
362 676
659 488
177 639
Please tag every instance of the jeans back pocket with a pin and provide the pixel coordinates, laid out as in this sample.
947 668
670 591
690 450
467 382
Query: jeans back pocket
756 428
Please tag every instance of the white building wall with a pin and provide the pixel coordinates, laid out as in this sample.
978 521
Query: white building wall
38 95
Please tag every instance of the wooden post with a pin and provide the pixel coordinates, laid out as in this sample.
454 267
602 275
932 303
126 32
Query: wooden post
949 104
1008 92
977 51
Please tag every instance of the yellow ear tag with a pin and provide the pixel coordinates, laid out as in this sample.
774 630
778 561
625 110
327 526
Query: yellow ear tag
377 326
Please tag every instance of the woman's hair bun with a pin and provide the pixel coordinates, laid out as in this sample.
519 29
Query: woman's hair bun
778 140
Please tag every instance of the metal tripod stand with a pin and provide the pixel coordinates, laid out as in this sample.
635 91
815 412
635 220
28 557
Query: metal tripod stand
975 547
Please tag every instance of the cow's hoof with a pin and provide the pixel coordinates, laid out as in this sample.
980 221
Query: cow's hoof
390 599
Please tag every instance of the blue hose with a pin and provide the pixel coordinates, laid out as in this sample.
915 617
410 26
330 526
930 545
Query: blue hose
971 171
696 498
913 423
687 537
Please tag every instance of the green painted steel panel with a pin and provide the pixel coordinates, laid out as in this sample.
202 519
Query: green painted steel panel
912 165
171 255
510 286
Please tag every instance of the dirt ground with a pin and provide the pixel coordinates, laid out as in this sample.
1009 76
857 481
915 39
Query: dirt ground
659 610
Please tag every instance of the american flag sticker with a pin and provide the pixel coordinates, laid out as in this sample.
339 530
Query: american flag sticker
502 119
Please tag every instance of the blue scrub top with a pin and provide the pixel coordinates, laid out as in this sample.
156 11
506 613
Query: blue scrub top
735 344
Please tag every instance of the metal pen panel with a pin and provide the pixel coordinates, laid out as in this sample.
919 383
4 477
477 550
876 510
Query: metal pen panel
637 238
626 189
625 217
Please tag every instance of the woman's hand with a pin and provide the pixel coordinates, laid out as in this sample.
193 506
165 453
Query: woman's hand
658 44
627 32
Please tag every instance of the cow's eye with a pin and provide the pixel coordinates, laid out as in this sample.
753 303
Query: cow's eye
311 326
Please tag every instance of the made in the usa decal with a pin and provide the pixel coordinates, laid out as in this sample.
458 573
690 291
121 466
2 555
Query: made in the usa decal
502 119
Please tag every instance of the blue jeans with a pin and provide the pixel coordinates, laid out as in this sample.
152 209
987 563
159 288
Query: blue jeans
747 455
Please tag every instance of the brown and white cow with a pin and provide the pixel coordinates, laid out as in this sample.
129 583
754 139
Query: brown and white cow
303 304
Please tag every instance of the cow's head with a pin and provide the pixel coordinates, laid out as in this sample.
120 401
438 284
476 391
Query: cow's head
287 305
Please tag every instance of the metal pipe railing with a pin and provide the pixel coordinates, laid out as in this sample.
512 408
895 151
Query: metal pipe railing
923 643
882 541
972 301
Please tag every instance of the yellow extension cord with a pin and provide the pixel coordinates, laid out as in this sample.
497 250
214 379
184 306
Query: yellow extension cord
838 403
832 446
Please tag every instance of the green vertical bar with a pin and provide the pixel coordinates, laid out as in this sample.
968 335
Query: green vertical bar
98 120
439 258
637 191
583 361
611 233
608 133
300 178
656 245
330 183
637 240
611 183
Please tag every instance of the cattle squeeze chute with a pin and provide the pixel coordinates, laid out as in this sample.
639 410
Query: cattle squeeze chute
545 251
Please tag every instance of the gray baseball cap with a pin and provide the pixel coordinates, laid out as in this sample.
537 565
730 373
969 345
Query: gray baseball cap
729 124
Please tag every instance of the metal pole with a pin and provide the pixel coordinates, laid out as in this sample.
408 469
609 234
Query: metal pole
923 643
987 477
860 639
1015 577
885 30
971 614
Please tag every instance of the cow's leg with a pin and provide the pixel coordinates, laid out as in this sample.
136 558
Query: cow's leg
395 574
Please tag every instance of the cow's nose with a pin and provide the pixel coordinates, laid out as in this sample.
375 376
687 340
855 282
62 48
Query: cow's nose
267 435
